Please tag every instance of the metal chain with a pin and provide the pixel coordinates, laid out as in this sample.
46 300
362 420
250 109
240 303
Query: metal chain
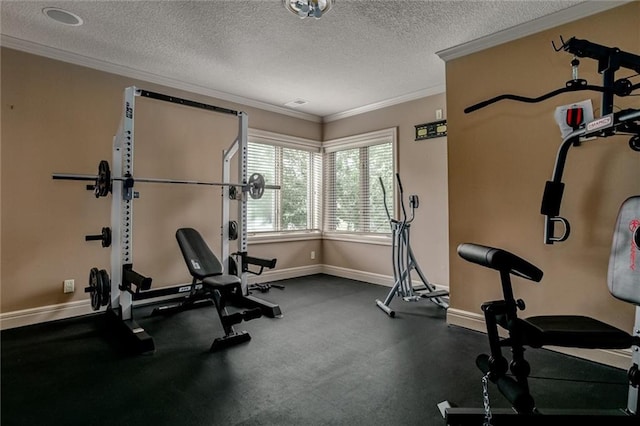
485 400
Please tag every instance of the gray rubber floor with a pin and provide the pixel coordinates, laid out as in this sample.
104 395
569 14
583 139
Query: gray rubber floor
333 359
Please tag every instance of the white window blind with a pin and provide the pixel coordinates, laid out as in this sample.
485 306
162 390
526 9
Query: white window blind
294 164
353 169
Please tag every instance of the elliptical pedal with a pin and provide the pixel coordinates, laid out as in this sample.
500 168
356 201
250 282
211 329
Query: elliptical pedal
434 293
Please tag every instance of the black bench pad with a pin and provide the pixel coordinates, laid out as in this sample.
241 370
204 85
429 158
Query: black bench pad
573 331
221 281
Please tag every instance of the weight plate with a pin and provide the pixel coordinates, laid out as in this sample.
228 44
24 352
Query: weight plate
256 186
106 237
94 278
105 292
103 180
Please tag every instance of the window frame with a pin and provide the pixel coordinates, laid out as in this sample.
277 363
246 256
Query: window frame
360 141
292 142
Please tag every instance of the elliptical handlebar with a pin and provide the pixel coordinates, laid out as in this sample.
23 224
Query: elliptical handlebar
413 202
384 198
404 210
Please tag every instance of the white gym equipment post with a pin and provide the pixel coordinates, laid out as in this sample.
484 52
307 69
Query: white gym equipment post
122 275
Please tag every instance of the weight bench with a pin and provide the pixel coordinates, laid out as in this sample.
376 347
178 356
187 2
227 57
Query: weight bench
206 269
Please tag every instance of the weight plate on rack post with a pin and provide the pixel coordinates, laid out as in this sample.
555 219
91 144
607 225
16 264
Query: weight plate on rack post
256 186
103 180
99 288
94 278
105 292
106 238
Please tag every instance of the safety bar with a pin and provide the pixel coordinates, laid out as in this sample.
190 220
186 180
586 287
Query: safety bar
131 277
262 263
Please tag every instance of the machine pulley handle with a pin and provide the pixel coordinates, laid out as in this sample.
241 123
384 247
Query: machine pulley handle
518 98
549 229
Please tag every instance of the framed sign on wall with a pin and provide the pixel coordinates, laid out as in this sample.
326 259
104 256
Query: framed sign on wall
431 130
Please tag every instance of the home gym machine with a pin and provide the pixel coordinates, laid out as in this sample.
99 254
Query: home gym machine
623 272
404 261
118 289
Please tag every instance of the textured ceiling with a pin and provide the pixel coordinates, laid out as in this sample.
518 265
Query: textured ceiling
361 53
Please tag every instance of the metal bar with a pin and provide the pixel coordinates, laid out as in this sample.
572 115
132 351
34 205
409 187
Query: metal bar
196 182
71 176
185 102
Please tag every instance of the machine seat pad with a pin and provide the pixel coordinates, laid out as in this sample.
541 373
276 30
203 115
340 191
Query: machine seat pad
221 281
573 331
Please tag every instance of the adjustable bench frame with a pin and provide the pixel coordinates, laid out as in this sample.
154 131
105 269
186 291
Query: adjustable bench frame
568 331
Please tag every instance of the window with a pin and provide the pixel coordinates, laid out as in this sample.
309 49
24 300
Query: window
354 167
296 165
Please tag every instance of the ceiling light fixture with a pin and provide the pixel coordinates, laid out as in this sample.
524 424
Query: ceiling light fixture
63 16
305 8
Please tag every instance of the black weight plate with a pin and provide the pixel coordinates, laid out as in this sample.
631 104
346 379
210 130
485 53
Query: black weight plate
106 288
103 180
94 278
106 237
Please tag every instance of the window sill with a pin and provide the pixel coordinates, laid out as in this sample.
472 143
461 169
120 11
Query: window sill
281 237
376 239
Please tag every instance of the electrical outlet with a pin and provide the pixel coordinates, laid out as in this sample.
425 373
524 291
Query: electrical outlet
313 255
69 286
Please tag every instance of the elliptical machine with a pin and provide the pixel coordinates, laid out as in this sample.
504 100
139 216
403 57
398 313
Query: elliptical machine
404 261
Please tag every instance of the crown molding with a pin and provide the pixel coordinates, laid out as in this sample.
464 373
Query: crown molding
85 61
272 138
570 14
423 93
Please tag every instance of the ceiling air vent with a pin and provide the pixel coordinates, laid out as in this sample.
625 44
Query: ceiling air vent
296 103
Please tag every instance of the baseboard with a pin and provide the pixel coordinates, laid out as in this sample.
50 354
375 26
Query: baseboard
619 358
368 277
285 274
45 314
356 275
83 307
470 320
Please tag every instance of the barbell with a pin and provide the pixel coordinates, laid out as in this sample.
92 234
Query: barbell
103 182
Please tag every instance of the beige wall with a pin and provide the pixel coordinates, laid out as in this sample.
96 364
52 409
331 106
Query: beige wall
58 117
423 169
501 156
